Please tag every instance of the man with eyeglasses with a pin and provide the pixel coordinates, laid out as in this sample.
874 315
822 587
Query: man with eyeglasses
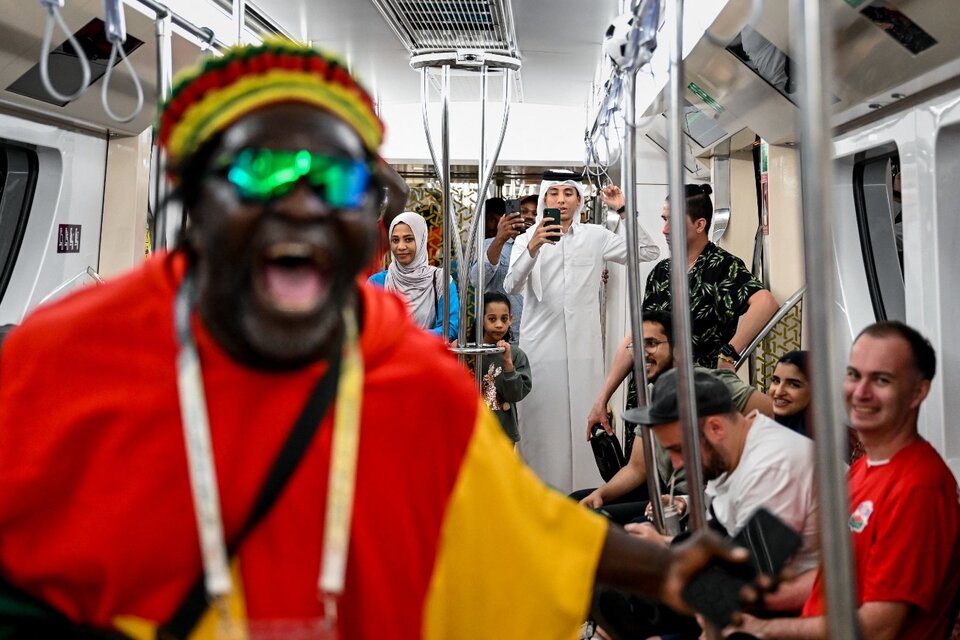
624 496
242 446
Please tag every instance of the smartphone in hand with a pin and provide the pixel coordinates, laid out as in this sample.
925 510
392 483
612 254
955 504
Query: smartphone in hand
715 592
554 216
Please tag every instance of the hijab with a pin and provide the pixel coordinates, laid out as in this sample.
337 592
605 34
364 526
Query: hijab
417 280
554 178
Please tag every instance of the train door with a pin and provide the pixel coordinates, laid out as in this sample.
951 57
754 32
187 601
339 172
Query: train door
897 192
50 212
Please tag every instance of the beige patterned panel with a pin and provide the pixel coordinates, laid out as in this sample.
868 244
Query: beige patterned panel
784 337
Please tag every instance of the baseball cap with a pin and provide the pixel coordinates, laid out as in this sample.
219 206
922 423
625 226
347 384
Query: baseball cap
711 393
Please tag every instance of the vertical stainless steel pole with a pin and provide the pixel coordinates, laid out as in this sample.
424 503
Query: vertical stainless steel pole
629 180
161 187
424 101
813 42
445 179
680 294
239 12
481 228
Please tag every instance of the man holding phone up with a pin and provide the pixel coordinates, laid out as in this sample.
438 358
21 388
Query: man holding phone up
557 268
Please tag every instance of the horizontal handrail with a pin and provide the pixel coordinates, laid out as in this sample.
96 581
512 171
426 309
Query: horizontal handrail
784 309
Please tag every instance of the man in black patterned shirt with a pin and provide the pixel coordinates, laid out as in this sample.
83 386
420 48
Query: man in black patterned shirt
728 305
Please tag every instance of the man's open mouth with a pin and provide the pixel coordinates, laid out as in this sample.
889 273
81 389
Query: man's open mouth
293 277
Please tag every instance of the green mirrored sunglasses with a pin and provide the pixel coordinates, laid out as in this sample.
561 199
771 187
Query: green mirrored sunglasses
261 175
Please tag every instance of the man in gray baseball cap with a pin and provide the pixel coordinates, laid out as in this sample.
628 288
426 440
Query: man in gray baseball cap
712 396
748 462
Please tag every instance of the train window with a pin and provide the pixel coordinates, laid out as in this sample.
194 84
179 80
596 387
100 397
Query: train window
18 179
876 195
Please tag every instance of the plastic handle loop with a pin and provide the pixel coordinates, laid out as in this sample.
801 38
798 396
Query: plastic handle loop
53 9
106 84
116 33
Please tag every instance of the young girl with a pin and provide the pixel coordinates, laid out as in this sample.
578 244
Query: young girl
506 376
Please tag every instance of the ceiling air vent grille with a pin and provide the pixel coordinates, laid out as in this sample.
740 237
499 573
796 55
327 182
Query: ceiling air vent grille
426 26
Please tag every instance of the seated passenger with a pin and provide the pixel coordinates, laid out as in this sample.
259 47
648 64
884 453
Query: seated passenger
624 495
748 462
419 284
506 376
790 391
904 516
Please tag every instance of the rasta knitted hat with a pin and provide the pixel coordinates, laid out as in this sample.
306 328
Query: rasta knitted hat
220 90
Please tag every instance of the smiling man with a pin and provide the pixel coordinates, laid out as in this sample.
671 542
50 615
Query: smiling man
243 424
904 515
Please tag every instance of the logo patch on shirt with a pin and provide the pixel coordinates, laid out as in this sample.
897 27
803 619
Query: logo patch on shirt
861 516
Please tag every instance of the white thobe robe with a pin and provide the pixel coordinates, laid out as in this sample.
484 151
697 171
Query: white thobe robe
560 333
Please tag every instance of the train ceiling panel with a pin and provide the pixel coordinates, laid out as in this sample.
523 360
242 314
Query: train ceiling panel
886 51
426 26
557 40
20 47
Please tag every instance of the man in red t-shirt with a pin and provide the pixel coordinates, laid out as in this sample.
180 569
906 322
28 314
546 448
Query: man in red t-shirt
904 510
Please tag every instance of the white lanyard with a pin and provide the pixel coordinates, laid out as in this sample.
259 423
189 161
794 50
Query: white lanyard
203 478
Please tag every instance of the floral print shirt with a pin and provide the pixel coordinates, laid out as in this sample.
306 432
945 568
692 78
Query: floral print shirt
720 286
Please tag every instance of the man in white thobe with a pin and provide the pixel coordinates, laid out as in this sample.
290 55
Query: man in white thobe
560 330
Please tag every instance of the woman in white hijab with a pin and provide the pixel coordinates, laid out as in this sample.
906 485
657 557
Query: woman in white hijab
419 284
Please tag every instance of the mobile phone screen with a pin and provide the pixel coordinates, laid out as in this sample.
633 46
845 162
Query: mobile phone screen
554 215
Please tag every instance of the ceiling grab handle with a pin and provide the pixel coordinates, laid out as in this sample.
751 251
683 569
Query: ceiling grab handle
53 10
116 31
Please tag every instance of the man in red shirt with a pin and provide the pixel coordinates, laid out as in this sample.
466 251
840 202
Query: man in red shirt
904 511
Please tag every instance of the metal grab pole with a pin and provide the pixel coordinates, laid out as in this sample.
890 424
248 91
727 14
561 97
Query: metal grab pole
161 187
682 330
445 223
813 46
629 179
478 239
205 34
487 175
239 13
424 100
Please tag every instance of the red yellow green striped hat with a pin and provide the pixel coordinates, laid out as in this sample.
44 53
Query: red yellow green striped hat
220 90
